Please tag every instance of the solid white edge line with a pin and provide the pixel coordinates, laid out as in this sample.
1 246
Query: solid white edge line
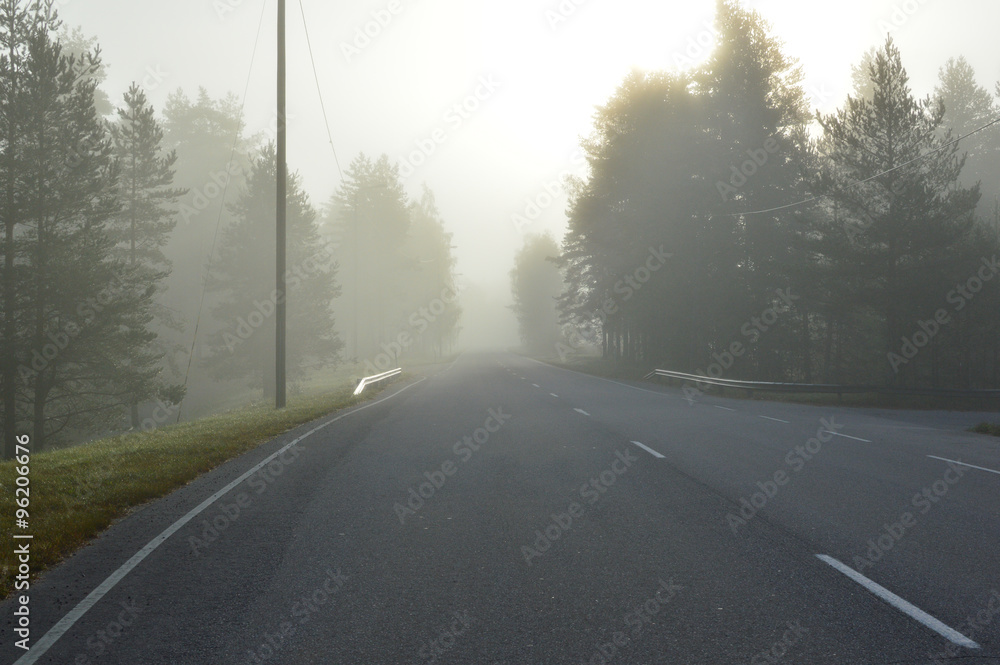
847 436
649 450
581 411
777 420
38 649
902 605
971 466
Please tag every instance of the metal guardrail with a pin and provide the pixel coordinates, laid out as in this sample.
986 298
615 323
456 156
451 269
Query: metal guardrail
765 386
369 380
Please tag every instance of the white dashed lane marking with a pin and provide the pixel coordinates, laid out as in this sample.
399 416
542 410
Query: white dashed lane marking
649 450
902 605
971 466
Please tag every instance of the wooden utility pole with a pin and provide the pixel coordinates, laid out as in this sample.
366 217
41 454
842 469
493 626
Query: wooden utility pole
282 176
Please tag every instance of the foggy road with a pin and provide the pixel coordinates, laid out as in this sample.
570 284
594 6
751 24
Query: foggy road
503 511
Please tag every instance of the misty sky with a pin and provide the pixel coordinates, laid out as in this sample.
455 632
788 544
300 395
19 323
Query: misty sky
434 53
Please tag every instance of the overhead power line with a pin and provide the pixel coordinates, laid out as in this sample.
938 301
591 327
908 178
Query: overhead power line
877 175
319 91
222 206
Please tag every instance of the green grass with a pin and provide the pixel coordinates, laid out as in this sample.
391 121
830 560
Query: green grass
992 429
77 492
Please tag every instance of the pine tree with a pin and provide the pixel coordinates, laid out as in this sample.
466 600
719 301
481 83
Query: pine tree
372 206
757 115
861 75
212 158
638 200
535 284
78 45
429 249
967 107
243 279
15 24
903 227
74 317
147 218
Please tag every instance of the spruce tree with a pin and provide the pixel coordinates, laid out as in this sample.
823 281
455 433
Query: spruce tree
243 280
142 229
75 317
894 181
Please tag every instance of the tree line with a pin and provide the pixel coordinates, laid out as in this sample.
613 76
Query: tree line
853 247
109 215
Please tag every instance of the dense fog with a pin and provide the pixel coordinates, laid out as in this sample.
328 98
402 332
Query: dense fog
775 192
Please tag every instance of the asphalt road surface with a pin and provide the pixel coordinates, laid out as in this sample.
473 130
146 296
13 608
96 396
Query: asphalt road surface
499 511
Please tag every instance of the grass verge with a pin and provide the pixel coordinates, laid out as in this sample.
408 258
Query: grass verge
993 429
76 493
